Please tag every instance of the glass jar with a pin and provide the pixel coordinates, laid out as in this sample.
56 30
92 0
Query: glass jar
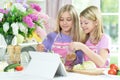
13 54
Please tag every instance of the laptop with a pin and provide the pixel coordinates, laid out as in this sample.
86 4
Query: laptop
45 65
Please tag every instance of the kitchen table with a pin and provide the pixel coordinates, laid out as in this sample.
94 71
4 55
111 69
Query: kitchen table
70 76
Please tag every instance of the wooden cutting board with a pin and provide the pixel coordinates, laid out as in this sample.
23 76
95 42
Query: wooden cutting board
97 71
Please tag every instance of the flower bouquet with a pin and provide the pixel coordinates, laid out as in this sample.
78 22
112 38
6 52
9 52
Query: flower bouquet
20 24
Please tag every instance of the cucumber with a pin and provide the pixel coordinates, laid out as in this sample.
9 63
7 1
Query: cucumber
11 66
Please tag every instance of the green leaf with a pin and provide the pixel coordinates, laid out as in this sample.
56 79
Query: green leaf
30 30
39 24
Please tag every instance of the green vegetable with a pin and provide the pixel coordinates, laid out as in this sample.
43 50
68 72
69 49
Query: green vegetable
10 66
118 73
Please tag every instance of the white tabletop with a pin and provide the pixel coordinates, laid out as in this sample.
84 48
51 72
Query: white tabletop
77 76
70 76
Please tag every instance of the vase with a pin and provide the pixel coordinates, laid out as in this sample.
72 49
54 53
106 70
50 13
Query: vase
2 41
2 53
8 39
2 46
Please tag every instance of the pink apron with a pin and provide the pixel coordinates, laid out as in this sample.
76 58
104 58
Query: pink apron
60 47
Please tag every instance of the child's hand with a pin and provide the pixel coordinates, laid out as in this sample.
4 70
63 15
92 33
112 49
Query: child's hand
72 46
40 47
75 46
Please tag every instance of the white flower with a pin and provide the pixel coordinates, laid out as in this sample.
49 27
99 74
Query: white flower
6 26
1 16
15 28
14 41
19 7
23 28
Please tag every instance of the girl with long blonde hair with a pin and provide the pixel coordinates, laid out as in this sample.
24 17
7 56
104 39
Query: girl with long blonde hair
67 30
97 45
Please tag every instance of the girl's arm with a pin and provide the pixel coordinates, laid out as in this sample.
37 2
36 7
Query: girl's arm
99 60
47 42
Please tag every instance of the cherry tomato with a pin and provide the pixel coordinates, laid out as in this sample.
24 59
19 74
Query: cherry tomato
112 71
19 68
113 66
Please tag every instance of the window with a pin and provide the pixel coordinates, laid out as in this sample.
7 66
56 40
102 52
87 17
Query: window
82 4
111 19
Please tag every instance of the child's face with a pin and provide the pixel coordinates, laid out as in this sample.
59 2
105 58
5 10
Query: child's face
66 22
87 25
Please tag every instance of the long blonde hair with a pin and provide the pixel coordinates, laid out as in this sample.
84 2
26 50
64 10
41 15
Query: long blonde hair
75 31
94 14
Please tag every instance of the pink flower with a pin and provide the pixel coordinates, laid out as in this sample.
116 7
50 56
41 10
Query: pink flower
34 17
36 7
3 11
41 32
45 19
43 16
28 21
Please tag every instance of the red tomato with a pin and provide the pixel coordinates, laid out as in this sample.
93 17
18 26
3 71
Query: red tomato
19 68
112 71
113 66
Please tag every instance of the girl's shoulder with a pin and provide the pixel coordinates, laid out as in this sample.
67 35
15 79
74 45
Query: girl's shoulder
105 37
52 34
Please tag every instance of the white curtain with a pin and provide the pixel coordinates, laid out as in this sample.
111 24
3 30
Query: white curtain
52 7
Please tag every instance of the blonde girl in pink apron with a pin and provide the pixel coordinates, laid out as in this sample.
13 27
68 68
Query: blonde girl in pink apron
62 48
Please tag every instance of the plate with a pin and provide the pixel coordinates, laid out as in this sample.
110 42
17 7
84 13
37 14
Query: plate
97 71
